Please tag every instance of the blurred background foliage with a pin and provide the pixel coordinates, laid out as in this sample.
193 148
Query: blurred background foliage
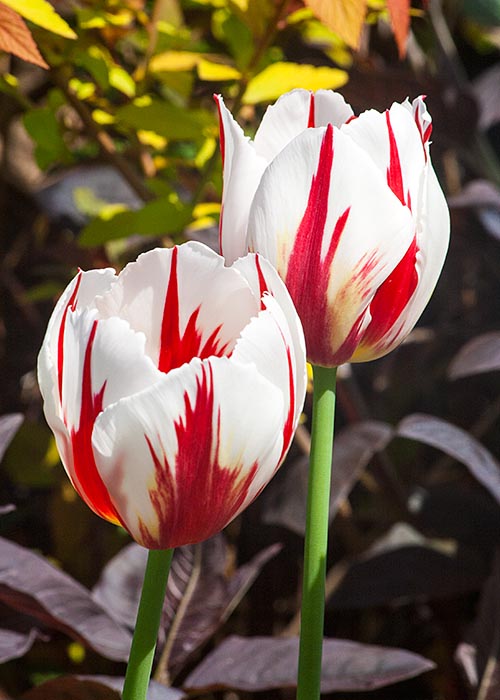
108 147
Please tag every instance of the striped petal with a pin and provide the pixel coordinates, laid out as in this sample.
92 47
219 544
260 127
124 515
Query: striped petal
242 170
178 299
183 458
293 113
393 141
274 340
433 236
325 218
102 361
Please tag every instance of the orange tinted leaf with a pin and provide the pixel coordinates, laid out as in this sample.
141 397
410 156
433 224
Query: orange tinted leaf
345 17
15 37
399 12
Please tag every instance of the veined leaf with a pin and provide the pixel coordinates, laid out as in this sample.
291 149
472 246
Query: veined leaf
281 77
399 12
42 13
15 37
345 17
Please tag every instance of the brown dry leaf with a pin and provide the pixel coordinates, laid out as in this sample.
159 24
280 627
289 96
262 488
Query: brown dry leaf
15 37
399 12
345 17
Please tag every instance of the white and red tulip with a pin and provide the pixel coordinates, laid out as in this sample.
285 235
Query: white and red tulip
173 389
347 209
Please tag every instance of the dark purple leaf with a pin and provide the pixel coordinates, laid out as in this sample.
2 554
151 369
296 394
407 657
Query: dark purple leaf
262 663
477 193
285 504
29 584
156 691
488 96
481 354
458 444
18 633
435 509
200 594
119 587
9 425
71 688
403 566
484 197
14 644
479 655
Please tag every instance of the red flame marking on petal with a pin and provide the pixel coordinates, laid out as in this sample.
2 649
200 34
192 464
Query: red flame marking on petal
311 120
60 340
222 138
176 348
288 428
262 282
394 174
92 488
392 297
196 497
308 276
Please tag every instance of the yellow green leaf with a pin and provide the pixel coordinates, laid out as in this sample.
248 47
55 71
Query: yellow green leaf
122 81
42 13
174 61
208 70
281 77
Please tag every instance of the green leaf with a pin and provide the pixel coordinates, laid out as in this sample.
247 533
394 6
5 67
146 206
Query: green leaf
235 34
94 60
42 13
281 77
43 127
157 218
168 120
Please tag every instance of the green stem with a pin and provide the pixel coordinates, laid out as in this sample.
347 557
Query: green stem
148 622
316 539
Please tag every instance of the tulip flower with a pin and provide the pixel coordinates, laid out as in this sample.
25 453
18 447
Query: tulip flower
347 209
173 389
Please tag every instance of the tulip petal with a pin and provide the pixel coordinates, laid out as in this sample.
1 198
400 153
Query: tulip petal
275 339
178 298
433 236
393 141
183 458
103 361
293 113
80 293
242 170
334 231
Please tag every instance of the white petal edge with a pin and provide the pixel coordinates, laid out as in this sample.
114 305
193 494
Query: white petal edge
276 329
289 117
433 237
242 170
370 132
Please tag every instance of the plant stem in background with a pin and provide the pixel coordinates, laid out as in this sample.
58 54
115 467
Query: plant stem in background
316 538
147 624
